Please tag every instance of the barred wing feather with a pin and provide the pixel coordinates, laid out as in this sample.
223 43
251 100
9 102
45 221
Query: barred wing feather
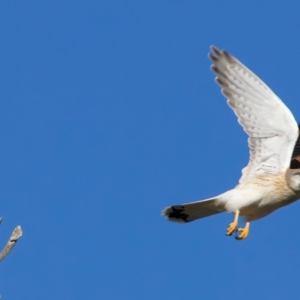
270 125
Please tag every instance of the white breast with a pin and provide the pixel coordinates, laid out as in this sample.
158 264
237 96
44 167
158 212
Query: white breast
261 191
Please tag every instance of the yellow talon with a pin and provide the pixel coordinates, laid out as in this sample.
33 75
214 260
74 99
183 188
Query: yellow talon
243 232
232 226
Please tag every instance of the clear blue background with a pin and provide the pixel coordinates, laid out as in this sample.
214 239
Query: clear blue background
109 113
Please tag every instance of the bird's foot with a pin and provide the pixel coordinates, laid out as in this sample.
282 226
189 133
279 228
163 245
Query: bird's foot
243 232
231 228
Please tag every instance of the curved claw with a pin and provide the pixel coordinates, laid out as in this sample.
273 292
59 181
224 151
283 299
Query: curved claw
231 228
243 232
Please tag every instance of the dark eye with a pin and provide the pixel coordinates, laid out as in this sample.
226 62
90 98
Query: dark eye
295 164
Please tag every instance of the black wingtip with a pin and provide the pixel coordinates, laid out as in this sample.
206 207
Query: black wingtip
216 54
215 50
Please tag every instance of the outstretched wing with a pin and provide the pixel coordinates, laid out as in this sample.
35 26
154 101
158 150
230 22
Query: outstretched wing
270 125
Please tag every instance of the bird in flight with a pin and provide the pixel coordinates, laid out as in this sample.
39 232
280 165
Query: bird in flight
272 177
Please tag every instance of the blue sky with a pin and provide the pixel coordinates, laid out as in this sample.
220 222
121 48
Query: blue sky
109 113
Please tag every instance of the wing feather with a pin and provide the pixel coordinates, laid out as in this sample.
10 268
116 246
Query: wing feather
270 125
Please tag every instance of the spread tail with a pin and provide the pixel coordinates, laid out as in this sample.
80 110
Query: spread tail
192 211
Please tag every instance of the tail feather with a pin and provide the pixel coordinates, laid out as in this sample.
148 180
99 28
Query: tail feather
192 211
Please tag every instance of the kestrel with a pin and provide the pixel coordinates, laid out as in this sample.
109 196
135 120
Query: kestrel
272 177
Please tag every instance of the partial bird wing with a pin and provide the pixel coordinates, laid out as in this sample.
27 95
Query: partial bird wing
270 125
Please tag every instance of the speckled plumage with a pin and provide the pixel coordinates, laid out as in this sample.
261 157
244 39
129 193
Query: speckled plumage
268 182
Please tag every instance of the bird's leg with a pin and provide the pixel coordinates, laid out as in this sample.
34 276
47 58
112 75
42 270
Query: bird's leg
232 226
243 232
